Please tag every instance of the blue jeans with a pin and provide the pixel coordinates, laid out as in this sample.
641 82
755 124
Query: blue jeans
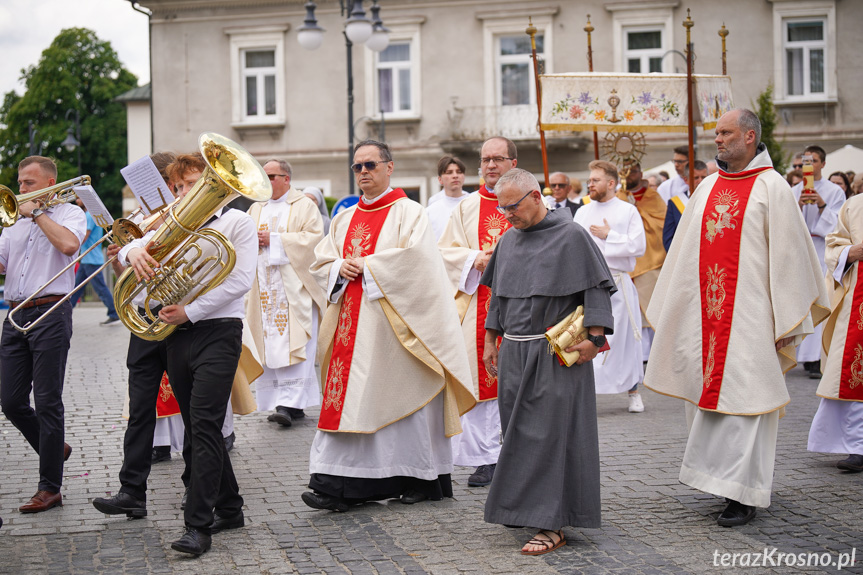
85 270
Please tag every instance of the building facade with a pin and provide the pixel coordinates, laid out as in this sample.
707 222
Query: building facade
459 71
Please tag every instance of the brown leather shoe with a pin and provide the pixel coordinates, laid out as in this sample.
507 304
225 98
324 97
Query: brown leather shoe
67 451
42 501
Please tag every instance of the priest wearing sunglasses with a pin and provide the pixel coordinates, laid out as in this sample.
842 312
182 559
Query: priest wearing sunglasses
393 385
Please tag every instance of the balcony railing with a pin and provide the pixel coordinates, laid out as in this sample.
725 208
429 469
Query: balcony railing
483 122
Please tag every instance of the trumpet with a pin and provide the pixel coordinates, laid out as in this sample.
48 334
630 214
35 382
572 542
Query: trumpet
122 232
61 193
187 269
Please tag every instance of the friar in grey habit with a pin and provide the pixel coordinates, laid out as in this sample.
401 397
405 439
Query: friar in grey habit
548 473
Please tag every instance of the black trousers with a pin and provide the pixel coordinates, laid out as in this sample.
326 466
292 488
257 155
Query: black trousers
355 490
146 360
37 361
202 361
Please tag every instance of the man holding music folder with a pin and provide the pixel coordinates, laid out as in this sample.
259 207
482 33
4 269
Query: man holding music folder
32 251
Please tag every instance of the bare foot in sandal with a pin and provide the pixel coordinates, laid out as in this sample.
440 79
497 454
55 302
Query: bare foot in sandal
544 542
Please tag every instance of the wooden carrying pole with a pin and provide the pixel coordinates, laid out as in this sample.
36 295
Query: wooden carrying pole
723 33
531 31
589 28
688 24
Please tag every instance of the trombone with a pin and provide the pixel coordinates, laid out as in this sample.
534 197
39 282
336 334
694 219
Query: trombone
123 231
61 193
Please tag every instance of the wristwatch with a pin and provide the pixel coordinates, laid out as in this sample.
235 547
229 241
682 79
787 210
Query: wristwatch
36 213
597 340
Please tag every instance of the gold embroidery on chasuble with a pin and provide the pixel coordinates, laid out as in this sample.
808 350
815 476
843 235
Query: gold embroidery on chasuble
335 386
360 241
711 362
715 293
165 390
495 225
725 212
856 368
860 320
345 322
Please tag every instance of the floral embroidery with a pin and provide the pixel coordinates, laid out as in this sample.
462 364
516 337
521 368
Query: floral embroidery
860 321
165 390
345 322
335 386
711 362
715 293
857 368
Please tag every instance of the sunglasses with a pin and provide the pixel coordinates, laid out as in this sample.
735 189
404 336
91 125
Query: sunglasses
558 185
512 207
274 176
797 166
370 166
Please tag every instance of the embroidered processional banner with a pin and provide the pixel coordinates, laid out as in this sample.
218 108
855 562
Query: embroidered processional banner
630 102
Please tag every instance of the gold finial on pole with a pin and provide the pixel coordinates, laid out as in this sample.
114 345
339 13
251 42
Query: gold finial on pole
531 31
723 32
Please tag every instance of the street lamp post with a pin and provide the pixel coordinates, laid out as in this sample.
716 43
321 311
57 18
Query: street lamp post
358 30
73 136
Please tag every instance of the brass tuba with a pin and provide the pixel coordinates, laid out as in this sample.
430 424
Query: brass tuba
186 271
51 196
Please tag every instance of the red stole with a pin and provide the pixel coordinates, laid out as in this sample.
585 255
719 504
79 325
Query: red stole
360 241
166 403
492 225
851 378
719 261
638 193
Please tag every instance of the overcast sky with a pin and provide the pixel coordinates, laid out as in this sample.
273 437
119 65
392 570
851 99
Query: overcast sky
27 27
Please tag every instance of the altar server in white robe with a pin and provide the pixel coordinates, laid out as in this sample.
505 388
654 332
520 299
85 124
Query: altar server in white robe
394 385
283 306
450 175
821 212
617 229
838 423
741 234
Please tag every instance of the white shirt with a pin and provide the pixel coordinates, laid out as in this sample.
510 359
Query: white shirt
625 240
30 259
439 212
675 186
226 300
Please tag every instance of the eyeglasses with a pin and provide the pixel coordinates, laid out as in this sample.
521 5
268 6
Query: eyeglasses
797 166
274 176
370 166
496 160
679 161
558 185
512 207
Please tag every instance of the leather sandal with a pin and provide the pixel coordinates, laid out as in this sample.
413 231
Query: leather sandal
548 542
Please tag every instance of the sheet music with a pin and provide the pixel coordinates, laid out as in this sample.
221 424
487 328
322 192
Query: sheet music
147 184
94 205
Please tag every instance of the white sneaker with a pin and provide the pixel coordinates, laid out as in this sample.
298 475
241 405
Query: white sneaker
635 403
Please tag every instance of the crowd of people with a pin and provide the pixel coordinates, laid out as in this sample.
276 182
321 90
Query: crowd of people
429 327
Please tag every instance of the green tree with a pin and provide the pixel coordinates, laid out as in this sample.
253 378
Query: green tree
76 72
766 112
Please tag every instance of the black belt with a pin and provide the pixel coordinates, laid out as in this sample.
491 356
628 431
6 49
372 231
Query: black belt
35 302
210 322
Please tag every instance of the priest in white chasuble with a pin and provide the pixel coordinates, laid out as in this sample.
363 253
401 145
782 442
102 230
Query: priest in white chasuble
284 305
394 385
739 289
616 228
838 423
473 230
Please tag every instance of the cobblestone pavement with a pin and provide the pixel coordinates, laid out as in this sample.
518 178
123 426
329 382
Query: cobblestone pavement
652 523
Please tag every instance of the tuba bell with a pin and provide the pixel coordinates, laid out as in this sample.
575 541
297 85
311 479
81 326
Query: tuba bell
187 267
61 193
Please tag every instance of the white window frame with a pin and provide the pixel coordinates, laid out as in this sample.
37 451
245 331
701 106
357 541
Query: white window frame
253 39
500 60
644 55
785 11
493 29
401 31
644 16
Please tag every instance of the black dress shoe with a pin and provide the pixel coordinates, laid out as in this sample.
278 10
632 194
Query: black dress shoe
296 413
317 500
853 462
282 416
193 542
736 514
229 441
221 523
120 504
161 453
184 499
412 496
482 476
